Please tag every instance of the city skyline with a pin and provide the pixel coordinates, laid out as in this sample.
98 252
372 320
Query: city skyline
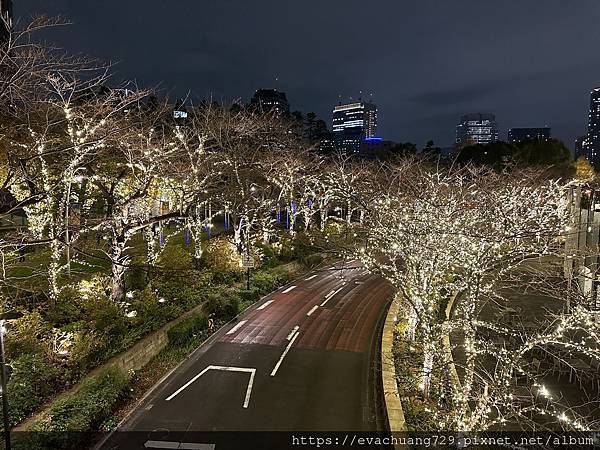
421 93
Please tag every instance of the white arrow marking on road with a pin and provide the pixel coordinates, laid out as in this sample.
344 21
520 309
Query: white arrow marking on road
310 278
289 289
178 445
265 304
287 349
291 335
330 296
312 310
237 327
252 372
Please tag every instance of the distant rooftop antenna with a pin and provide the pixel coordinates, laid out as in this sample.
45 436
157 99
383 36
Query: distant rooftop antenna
339 99
360 96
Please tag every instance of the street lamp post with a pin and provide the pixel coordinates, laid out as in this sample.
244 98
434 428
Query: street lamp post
10 315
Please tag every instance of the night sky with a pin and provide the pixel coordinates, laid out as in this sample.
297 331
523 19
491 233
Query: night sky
531 62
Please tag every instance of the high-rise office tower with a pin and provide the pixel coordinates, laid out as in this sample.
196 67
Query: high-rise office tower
268 100
581 147
5 20
476 129
353 124
593 138
516 135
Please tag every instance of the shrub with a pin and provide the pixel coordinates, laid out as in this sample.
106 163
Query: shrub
186 329
175 257
83 411
67 308
33 380
27 335
249 295
105 316
227 277
221 255
151 314
312 260
231 305
269 257
136 278
268 281
86 351
86 409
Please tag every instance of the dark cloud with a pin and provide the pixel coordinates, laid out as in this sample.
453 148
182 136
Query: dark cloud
426 62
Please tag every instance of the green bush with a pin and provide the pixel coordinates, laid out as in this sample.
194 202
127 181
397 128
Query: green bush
136 278
175 257
312 260
83 411
227 277
27 335
67 308
249 295
269 280
151 314
231 305
269 257
186 329
33 380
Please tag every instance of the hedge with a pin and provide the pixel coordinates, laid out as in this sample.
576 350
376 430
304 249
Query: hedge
186 329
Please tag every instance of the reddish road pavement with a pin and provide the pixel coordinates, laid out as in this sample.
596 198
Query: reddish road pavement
302 359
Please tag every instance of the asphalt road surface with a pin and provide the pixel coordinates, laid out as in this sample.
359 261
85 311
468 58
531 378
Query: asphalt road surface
300 360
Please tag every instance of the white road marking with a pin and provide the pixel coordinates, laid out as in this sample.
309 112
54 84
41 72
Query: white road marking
312 310
178 445
291 335
192 446
161 444
252 373
330 296
310 278
287 349
265 304
237 327
289 289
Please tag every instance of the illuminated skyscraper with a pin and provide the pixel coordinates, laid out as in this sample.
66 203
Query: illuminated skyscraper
593 139
516 135
267 100
476 129
354 124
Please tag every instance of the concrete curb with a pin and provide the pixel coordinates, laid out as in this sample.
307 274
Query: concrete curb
393 404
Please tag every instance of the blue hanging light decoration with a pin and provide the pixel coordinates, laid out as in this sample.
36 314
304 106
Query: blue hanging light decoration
186 236
278 214
162 239
287 217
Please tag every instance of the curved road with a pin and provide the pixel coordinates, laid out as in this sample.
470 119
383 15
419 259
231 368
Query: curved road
299 360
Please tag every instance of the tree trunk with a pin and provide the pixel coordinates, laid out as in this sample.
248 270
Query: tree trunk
428 351
118 267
